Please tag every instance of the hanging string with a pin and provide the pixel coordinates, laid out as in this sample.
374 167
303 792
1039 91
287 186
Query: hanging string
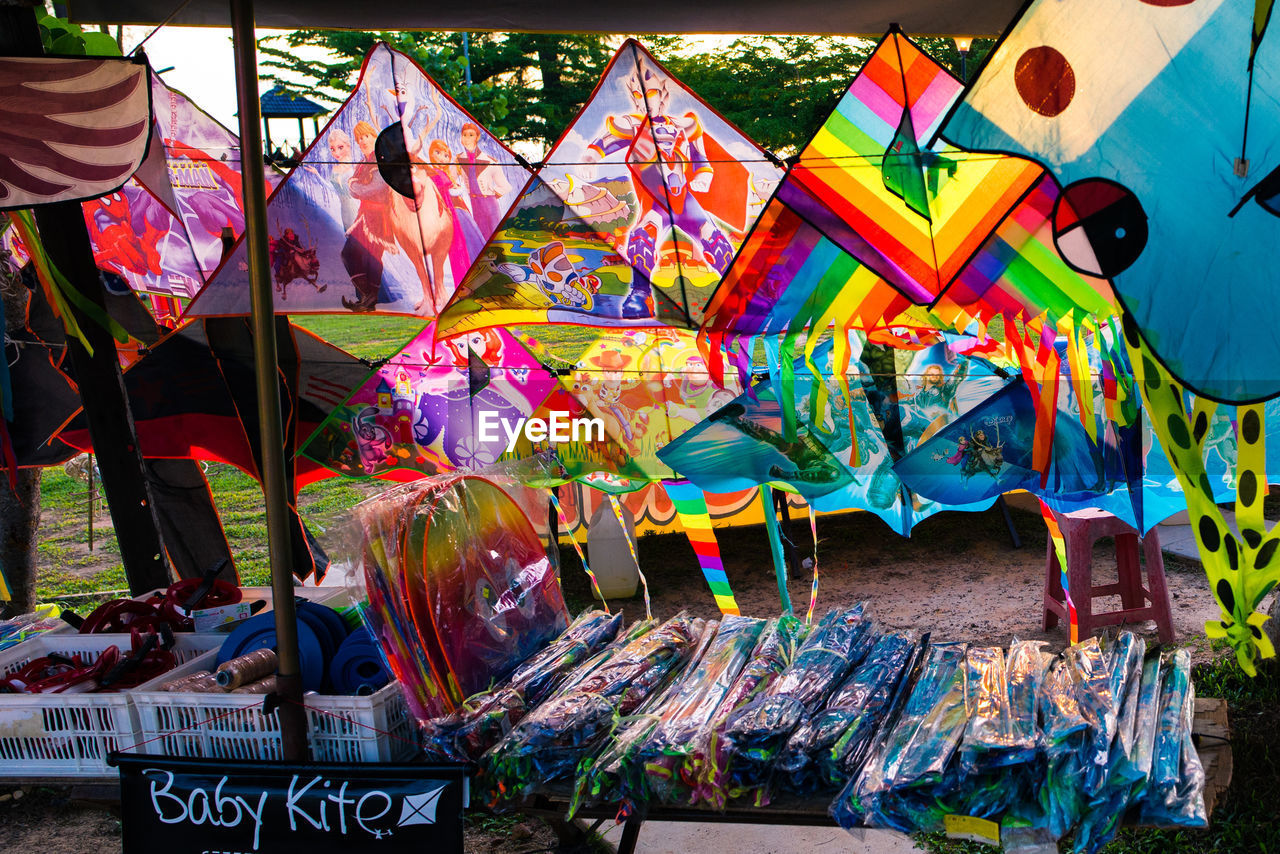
626 535
568 529
161 26
813 594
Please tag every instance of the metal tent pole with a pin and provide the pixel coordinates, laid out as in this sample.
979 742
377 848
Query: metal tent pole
293 724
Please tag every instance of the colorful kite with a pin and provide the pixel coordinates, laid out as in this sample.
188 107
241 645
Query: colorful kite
1166 193
633 218
388 209
71 128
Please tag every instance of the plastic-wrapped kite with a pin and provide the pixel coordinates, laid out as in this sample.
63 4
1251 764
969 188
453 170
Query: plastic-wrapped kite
773 652
1123 655
579 674
635 670
916 752
819 754
466 734
615 773
1146 726
620 773
548 744
667 752
833 648
538 675
1060 708
1107 783
1098 705
756 734
486 717
1176 791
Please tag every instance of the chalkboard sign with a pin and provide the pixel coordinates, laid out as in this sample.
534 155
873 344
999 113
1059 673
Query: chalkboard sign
208 806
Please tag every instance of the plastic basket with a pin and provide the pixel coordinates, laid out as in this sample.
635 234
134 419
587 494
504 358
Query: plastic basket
373 728
70 735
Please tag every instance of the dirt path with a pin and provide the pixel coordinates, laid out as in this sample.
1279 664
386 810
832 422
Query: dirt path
958 576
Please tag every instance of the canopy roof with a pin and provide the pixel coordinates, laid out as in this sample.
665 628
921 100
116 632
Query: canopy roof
853 17
279 104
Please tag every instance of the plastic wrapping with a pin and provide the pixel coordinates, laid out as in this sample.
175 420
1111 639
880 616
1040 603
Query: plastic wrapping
668 752
459 585
550 742
914 755
538 676
621 773
488 716
15 630
1098 706
755 735
827 750
773 652
834 646
635 670
994 735
1108 781
1176 791
1027 664
1147 724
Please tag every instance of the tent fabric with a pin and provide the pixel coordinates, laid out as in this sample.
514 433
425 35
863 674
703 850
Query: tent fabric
856 17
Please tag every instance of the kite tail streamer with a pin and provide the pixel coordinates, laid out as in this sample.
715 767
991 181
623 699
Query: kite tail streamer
568 529
644 582
691 506
1060 549
1241 570
775 546
813 593
61 295
840 356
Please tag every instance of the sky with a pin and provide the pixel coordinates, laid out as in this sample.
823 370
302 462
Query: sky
203 69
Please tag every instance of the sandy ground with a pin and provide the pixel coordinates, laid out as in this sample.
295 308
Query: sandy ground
957 576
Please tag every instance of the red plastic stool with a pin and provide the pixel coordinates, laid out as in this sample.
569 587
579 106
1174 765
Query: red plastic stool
1080 529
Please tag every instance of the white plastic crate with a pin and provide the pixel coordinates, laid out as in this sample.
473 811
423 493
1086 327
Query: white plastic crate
70 735
373 728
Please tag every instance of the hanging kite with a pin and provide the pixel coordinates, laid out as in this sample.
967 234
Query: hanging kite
1166 193
633 218
388 209
1168 196
434 407
871 225
96 107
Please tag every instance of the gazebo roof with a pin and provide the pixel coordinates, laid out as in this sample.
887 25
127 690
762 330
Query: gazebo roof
279 104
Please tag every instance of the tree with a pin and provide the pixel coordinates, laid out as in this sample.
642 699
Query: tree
523 86
780 89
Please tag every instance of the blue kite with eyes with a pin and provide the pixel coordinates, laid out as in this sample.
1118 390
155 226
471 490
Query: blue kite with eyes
1164 128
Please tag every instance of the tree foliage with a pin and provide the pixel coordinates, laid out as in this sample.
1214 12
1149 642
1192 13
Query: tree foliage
529 86
524 86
